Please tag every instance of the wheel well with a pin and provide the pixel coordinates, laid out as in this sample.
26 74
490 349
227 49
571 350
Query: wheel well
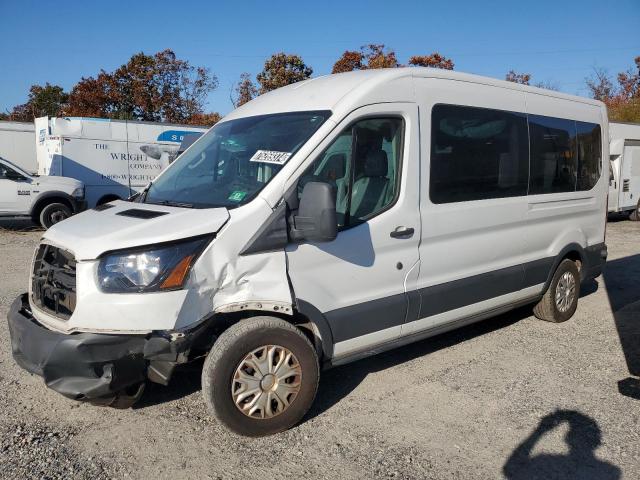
107 198
224 320
40 204
575 257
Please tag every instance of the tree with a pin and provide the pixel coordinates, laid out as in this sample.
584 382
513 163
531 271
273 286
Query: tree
157 87
622 99
204 119
521 78
369 57
600 85
90 97
435 60
49 100
282 69
245 91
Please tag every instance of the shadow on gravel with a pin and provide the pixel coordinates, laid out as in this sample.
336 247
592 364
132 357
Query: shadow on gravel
338 382
582 438
184 382
622 281
19 225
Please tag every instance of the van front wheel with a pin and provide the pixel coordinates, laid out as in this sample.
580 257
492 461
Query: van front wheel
260 377
560 301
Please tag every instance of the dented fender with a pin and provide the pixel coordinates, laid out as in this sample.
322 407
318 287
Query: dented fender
224 281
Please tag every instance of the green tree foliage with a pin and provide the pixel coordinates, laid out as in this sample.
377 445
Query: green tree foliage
282 69
42 101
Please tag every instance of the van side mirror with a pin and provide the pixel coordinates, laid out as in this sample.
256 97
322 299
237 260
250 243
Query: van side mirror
316 218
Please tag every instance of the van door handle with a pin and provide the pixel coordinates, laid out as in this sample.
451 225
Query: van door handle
402 232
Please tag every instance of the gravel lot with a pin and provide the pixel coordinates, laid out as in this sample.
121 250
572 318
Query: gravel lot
510 397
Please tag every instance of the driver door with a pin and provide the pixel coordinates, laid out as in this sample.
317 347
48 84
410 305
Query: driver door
360 280
15 194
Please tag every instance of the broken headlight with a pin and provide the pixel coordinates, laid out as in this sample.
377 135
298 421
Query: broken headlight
151 269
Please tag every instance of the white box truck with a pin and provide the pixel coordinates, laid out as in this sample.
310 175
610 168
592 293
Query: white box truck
624 173
113 158
16 145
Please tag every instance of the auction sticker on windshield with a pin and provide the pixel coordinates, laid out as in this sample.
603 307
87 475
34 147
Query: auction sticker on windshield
270 156
237 196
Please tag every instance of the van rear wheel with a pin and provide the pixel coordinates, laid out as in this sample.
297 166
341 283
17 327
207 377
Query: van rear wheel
560 301
260 377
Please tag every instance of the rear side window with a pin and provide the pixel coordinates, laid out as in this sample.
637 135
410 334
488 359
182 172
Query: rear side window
477 153
554 161
589 155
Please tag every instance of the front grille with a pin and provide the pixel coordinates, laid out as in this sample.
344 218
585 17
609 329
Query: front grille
53 282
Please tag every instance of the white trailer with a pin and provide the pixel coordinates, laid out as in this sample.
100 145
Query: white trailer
113 158
16 144
624 173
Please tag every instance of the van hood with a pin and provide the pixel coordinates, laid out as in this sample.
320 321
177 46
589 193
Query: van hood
54 181
121 224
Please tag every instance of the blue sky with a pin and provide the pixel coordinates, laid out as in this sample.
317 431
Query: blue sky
559 41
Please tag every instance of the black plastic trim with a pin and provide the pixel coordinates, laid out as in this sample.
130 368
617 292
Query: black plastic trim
272 235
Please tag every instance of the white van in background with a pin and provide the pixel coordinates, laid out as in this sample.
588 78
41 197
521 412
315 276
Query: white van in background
113 158
624 169
315 225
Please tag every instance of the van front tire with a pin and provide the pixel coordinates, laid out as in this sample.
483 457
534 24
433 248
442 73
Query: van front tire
560 301
260 377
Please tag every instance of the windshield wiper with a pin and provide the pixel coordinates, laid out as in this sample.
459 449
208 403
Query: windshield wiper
170 203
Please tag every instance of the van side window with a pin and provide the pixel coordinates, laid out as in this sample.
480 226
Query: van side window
363 163
3 171
554 162
589 155
477 153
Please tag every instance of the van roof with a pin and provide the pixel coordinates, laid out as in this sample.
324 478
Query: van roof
330 91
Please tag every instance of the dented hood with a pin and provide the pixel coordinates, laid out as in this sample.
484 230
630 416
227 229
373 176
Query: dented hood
127 224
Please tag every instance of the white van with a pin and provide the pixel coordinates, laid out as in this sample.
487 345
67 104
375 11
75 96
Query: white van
315 225
624 173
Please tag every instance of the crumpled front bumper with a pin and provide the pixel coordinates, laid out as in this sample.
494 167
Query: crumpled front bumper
93 367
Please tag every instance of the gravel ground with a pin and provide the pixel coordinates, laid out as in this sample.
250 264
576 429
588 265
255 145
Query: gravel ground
509 397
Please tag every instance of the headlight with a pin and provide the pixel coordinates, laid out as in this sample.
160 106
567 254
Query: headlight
78 193
149 270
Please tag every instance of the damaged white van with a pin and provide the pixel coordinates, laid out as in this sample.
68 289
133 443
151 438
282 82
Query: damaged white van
315 225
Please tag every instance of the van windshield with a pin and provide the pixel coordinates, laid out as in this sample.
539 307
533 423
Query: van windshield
232 162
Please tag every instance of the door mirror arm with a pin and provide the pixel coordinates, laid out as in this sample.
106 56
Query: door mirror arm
315 220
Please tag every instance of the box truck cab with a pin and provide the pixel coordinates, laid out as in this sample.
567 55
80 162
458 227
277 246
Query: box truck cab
624 173
47 200
315 225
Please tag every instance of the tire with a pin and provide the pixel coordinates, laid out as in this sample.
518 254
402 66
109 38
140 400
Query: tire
228 365
634 216
548 308
54 213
